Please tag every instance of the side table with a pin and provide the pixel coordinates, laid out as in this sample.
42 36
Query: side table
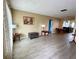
17 36
44 33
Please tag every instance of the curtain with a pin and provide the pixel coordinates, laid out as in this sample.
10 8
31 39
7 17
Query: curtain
7 49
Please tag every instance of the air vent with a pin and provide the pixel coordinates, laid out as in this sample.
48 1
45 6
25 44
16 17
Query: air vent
63 10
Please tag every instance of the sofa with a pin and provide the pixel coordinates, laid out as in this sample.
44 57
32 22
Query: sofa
64 30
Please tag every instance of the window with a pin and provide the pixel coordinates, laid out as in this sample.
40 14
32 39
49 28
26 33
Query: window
73 24
68 23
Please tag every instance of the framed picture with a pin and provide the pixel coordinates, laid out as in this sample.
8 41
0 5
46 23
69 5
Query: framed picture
28 20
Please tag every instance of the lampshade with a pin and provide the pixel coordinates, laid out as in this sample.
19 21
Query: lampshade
13 26
42 25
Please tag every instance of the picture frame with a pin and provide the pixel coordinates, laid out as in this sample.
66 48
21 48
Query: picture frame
28 20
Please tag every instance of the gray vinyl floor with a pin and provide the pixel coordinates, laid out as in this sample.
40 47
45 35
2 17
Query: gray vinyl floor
54 46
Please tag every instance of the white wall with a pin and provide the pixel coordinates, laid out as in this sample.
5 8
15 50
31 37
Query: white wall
38 21
25 29
55 24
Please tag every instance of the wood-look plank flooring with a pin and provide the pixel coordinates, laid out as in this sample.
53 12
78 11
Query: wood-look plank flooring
54 46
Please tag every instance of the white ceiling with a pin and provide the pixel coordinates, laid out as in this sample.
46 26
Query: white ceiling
46 7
